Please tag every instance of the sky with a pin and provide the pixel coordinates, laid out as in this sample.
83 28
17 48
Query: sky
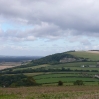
44 27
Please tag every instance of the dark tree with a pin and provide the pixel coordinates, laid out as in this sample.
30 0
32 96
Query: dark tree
60 83
78 82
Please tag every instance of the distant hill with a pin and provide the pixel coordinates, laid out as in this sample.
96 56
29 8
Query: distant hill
92 55
53 59
17 58
48 63
70 56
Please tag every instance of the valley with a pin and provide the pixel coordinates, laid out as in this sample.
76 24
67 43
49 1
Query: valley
74 69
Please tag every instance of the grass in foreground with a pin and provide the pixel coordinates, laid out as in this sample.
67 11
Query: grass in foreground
51 92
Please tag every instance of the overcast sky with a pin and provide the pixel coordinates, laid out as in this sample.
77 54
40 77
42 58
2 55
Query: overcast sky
43 27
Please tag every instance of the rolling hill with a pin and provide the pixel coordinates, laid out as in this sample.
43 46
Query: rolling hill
70 56
91 55
78 65
58 61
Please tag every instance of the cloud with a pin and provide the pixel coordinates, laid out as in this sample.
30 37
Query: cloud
31 20
51 19
86 42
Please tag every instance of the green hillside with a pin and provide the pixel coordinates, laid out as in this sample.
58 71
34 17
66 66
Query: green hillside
57 61
53 59
85 54
78 65
77 55
74 57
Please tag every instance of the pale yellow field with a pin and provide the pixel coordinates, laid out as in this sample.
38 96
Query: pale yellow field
96 52
5 65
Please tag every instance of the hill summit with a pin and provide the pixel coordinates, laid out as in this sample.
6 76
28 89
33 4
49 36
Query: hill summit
69 56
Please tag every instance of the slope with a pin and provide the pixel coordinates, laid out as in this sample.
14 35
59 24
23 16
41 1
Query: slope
91 55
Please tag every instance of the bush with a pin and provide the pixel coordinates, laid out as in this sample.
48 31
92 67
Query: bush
60 83
29 81
78 82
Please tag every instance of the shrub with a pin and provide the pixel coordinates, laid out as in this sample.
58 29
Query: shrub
78 82
60 83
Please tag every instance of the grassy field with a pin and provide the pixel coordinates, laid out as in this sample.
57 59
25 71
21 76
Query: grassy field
59 66
49 88
81 68
85 54
51 92
60 73
75 64
66 78
33 67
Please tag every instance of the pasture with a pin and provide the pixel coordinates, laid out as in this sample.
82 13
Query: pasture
59 66
66 78
85 54
48 75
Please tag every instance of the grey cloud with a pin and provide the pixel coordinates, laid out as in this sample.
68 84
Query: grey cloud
48 30
44 30
51 19
86 42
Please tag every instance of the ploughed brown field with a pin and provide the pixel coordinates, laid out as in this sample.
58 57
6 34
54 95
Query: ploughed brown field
51 92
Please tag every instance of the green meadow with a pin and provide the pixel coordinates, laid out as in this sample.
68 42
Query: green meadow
86 54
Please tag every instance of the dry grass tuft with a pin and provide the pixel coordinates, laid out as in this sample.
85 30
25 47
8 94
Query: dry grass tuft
51 92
